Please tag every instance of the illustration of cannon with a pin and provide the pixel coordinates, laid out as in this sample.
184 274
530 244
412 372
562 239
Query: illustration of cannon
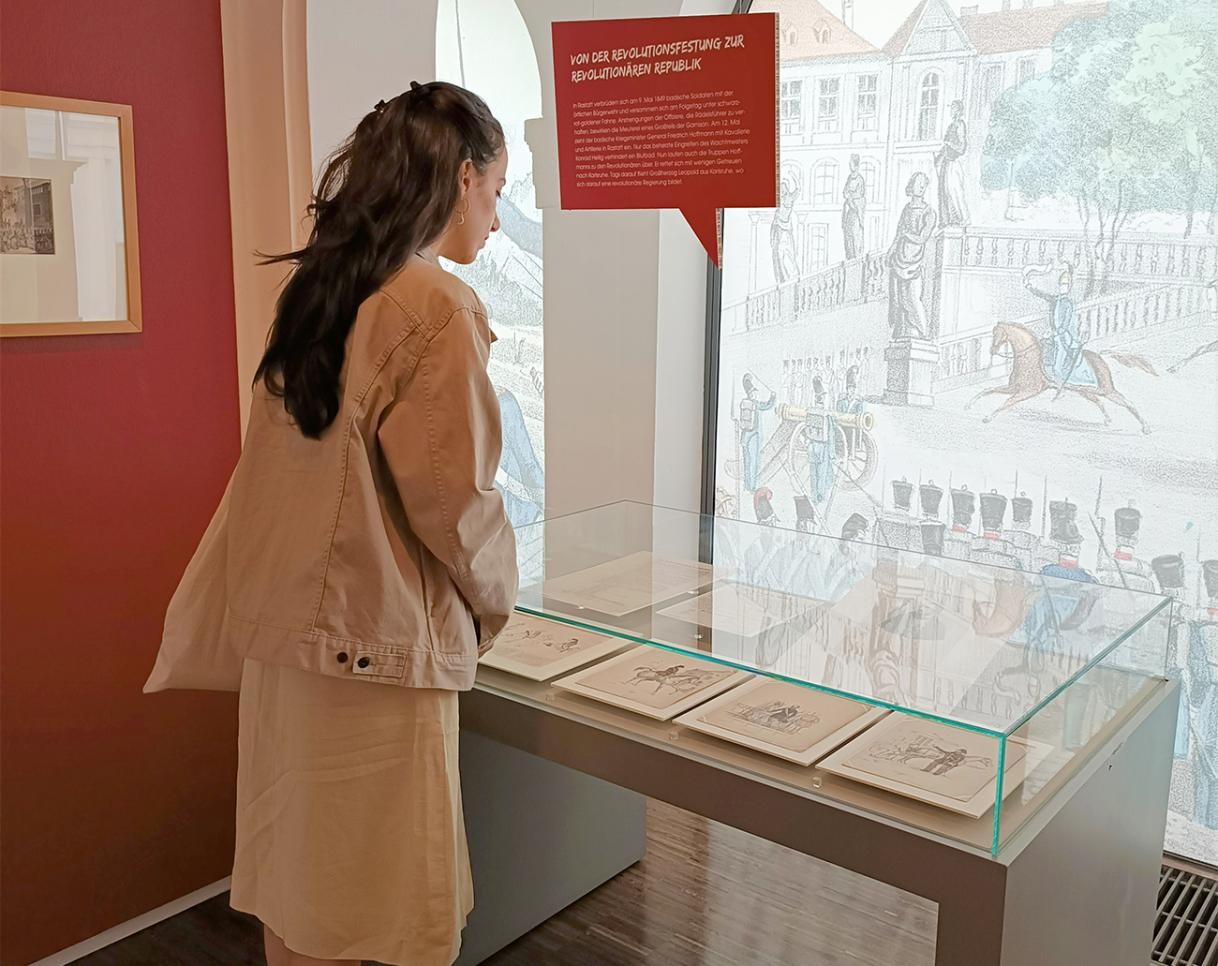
854 451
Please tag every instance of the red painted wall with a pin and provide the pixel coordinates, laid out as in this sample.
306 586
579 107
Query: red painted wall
114 450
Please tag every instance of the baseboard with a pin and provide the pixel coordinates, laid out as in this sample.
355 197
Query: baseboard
132 926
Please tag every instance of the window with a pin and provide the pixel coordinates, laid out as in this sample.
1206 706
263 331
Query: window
928 108
1027 69
821 32
871 177
827 103
791 101
820 247
988 90
865 109
824 183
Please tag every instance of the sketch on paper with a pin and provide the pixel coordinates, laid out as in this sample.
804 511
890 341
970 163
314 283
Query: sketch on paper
985 316
660 684
786 720
27 222
935 763
540 649
627 584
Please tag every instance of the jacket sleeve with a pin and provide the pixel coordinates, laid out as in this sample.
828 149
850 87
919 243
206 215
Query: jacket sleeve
441 439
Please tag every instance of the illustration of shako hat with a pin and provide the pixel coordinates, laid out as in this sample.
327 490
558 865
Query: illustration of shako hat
932 537
930 496
993 509
1062 528
1169 570
1209 573
964 504
1021 511
902 493
854 527
1126 520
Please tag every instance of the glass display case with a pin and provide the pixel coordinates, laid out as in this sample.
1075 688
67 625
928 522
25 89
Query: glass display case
950 696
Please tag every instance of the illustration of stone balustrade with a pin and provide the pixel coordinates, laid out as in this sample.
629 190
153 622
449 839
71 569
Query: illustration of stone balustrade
859 280
1134 256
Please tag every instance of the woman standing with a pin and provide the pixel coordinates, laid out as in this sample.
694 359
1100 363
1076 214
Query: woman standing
361 559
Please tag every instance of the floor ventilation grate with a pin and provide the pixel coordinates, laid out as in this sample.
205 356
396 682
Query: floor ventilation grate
1186 919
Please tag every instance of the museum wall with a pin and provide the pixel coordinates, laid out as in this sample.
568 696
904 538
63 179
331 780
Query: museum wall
116 450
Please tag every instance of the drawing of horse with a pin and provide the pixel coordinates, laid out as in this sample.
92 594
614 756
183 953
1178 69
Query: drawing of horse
1028 378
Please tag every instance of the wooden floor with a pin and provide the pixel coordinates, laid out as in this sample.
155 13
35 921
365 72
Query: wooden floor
705 895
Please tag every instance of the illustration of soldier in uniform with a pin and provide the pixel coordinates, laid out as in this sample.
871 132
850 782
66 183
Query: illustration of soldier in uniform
1121 568
930 498
990 548
1020 537
900 527
819 434
748 423
959 542
1168 569
520 479
1057 607
949 759
1063 349
1202 703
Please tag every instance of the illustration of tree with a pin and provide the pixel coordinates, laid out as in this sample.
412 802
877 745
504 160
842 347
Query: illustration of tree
1124 122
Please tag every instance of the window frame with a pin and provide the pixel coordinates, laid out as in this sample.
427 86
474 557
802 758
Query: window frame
791 125
837 104
873 116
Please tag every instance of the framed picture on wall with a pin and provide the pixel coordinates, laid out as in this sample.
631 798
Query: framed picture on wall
69 252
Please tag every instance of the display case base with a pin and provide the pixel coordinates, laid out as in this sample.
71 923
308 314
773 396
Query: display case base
540 836
1075 886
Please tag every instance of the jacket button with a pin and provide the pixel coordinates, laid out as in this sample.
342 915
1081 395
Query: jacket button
341 657
363 662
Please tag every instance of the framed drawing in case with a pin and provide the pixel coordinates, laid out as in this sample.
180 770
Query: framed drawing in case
788 721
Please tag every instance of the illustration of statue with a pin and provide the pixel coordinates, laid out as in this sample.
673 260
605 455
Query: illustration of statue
906 310
782 233
949 163
854 204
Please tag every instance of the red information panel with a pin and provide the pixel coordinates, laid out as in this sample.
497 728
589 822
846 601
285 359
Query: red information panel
669 112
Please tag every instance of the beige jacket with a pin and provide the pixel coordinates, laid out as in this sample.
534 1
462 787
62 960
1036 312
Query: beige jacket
382 550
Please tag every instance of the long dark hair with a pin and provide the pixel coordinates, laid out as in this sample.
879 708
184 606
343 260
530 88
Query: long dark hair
388 191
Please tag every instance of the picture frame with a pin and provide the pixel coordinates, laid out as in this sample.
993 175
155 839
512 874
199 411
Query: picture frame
653 682
539 650
772 717
966 783
69 230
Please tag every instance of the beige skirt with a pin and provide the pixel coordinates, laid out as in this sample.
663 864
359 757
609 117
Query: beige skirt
350 837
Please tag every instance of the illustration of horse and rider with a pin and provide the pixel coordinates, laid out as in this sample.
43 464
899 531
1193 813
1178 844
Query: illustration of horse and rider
1060 361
